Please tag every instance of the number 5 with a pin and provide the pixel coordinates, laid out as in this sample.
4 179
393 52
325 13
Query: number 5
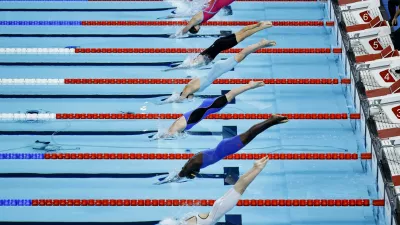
375 45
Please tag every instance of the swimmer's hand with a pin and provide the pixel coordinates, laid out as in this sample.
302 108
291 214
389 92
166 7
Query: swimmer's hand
177 35
173 98
173 177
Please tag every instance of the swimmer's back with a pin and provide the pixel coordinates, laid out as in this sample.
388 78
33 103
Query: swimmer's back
214 7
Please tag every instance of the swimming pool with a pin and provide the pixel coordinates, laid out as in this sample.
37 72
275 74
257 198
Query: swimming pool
85 86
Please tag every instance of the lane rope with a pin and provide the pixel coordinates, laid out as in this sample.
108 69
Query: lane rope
74 81
156 116
156 23
181 156
193 202
61 51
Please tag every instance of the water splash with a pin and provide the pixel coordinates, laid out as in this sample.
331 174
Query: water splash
169 221
187 7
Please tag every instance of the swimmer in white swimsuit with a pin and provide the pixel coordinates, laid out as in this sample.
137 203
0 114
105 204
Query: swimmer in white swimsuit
225 203
219 68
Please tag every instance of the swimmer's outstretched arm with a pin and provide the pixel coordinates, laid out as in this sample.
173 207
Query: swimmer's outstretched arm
190 88
180 67
196 20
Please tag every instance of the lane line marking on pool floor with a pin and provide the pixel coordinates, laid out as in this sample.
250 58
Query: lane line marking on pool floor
158 23
72 51
181 156
192 202
156 116
75 81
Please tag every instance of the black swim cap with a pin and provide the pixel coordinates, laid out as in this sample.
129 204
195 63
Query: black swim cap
194 30
189 95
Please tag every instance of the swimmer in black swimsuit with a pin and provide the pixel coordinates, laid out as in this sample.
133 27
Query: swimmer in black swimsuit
222 44
209 106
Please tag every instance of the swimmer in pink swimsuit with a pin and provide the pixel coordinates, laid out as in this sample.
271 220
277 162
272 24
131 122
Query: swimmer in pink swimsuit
201 17
213 8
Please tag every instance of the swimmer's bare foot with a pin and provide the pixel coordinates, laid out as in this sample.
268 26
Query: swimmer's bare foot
279 118
267 43
256 84
261 163
266 24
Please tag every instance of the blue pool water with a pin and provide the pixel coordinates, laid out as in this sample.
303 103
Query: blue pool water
280 180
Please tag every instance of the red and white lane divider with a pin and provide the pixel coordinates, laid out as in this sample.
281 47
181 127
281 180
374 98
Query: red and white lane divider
156 116
63 51
74 81
209 23
184 156
209 202
37 51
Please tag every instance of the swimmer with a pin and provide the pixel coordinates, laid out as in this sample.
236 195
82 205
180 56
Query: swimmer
224 204
225 148
222 44
209 106
201 17
219 68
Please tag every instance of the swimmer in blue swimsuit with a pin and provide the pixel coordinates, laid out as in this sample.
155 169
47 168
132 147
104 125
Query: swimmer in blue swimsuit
226 147
219 68
209 106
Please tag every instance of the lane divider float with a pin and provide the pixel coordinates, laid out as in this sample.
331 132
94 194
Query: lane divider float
156 116
181 156
160 50
74 81
192 202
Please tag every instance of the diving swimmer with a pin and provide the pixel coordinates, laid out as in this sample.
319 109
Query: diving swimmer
222 44
224 204
209 106
225 148
203 16
219 68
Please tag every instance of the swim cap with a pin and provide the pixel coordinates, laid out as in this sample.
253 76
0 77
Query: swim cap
195 29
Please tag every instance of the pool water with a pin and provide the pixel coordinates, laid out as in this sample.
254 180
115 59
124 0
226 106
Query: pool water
282 179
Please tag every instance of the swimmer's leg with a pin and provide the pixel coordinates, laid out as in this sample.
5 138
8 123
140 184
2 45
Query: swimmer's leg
251 29
237 91
227 202
232 145
252 48
246 179
257 129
